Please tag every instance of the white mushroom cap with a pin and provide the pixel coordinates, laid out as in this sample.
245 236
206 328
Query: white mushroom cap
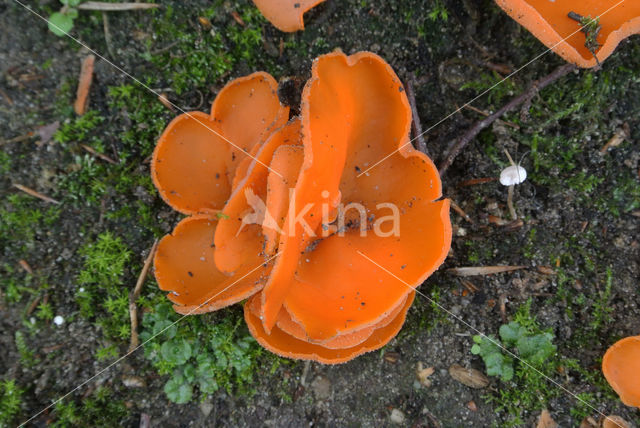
514 174
58 320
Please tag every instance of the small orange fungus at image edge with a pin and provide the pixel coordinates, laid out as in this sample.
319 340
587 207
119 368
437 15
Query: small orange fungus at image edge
263 193
621 368
550 23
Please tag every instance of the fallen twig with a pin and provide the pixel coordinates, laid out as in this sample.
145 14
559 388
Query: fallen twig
84 85
18 139
112 7
32 307
483 270
469 285
474 181
305 371
107 33
415 124
485 114
460 211
133 309
6 97
35 194
537 86
98 154
24 265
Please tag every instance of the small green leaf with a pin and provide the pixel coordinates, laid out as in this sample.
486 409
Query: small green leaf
510 333
223 216
178 391
189 372
60 24
208 385
176 351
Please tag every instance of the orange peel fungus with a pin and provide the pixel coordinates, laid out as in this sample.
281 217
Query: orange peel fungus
282 215
550 23
286 15
621 368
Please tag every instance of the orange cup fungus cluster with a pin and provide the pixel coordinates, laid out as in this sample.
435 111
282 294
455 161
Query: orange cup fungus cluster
286 15
550 22
621 368
263 194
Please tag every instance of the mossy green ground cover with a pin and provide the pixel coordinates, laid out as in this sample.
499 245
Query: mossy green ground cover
578 210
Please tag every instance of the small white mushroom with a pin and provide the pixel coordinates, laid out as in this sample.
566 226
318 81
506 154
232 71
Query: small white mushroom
512 175
58 320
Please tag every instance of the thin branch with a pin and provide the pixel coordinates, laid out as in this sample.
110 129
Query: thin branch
111 7
98 154
133 308
511 105
35 194
415 124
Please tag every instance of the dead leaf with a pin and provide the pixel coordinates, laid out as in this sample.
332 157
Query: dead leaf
483 270
471 405
133 381
546 270
423 374
546 421
613 421
165 101
46 132
391 357
617 139
471 377
588 422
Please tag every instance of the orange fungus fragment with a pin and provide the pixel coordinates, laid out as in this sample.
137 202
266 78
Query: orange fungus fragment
621 368
549 22
328 250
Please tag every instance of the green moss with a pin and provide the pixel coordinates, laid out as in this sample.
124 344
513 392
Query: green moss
102 294
99 409
27 357
10 401
21 217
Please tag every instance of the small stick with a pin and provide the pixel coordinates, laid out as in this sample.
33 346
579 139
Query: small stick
537 86
111 7
6 97
503 307
35 194
133 309
474 181
236 17
107 33
485 114
469 285
32 307
84 85
18 139
460 211
305 371
98 154
482 270
415 124
24 265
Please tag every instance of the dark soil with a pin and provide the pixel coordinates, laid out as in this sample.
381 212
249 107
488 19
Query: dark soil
579 235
